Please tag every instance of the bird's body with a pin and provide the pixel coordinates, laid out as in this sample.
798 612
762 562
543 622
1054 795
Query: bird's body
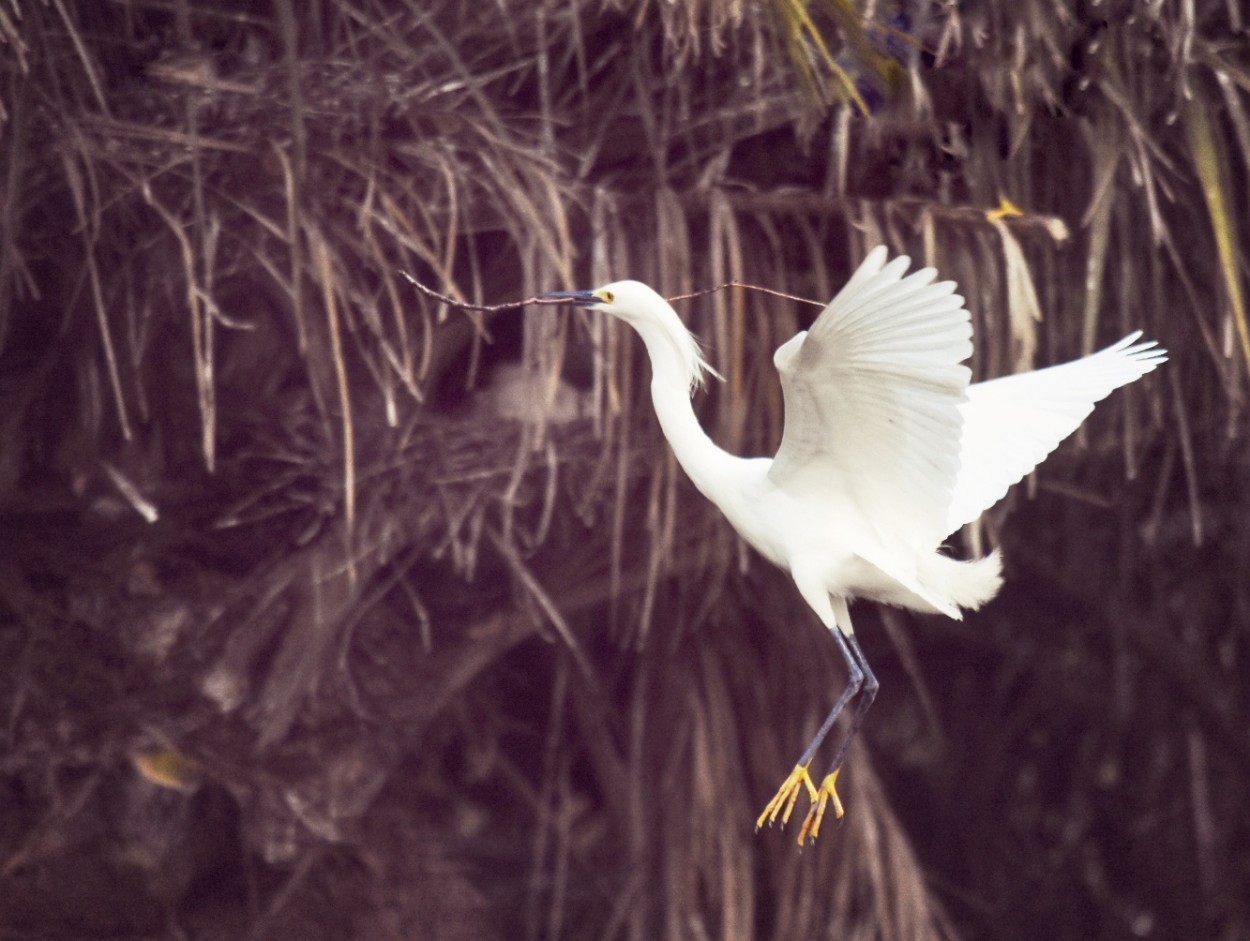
826 544
887 450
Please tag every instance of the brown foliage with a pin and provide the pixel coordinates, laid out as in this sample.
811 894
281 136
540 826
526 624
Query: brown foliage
322 618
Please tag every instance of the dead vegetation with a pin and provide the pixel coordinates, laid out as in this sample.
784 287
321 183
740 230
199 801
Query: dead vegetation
317 623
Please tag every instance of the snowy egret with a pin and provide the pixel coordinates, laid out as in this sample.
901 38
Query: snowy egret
887 450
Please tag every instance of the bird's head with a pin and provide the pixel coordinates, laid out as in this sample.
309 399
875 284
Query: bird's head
630 301
648 313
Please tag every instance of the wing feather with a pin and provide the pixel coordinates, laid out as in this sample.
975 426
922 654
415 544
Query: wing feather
1011 424
879 413
872 398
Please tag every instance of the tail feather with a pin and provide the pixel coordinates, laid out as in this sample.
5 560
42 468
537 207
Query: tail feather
963 584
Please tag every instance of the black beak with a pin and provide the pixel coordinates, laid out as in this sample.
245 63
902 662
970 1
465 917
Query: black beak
574 298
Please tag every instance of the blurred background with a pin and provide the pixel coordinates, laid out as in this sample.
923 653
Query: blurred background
328 610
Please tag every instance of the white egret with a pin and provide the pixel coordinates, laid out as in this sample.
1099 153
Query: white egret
887 451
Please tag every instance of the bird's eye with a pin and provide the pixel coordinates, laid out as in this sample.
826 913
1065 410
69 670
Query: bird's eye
608 297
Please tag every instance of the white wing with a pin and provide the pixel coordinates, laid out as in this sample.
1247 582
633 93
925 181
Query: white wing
872 396
1011 424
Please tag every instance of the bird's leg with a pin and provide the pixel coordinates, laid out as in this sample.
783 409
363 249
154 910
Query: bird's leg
783 801
828 787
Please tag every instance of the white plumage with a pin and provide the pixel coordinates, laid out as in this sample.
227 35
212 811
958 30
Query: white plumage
1012 423
887 450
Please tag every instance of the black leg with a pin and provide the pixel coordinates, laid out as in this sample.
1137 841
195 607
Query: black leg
862 687
864 684
867 695
860 678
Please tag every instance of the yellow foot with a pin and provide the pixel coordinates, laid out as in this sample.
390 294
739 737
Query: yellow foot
783 801
828 792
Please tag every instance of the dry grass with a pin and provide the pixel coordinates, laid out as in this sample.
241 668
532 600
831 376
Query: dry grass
267 518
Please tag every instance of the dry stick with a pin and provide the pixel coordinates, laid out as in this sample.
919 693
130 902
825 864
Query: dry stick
464 305
750 287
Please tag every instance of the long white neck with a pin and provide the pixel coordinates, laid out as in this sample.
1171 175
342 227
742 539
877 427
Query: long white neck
672 380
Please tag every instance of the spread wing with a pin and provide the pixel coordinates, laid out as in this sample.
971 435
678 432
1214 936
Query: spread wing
872 399
1011 424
